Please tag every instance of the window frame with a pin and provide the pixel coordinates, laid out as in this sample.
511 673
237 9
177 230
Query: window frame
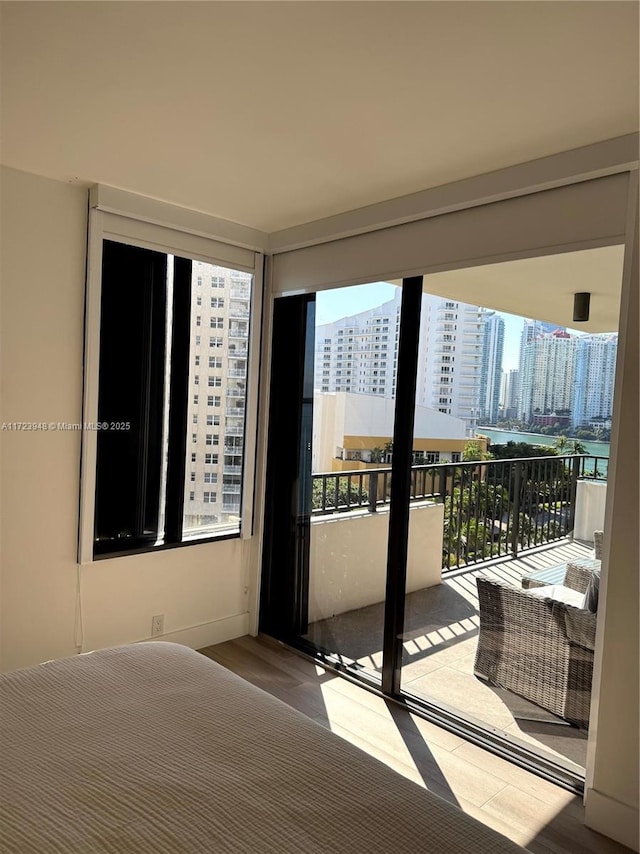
105 225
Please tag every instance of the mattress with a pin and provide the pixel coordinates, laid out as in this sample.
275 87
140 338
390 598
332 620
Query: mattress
155 748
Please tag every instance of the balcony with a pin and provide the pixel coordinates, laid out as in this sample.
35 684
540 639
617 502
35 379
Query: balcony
231 488
235 332
237 373
232 470
504 519
234 412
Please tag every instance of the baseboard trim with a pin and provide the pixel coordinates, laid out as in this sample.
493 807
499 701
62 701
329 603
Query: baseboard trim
206 634
611 818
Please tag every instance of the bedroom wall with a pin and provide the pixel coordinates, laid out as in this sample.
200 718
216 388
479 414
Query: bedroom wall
201 589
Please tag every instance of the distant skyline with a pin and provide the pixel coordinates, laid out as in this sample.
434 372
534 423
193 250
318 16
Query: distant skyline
331 305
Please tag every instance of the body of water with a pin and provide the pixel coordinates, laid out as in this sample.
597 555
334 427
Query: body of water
501 437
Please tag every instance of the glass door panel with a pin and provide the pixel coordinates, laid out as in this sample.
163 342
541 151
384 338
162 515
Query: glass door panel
489 523
354 371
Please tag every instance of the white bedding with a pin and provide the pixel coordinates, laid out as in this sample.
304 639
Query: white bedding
155 748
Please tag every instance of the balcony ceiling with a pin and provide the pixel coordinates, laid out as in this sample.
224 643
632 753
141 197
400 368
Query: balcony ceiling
542 288
274 114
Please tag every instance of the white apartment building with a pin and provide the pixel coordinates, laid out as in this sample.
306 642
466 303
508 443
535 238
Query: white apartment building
594 380
531 329
547 375
450 359
360 353
220 312
491 366
509 393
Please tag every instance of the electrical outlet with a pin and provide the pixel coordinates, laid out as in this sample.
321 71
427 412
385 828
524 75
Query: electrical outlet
157 625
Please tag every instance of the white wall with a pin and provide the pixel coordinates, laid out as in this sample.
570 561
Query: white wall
611 797
201 589
591 498
349 558
368 415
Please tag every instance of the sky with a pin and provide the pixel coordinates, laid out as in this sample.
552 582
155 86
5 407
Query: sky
341 302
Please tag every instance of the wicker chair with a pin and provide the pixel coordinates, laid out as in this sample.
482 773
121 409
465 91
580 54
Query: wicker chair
598 537
538 648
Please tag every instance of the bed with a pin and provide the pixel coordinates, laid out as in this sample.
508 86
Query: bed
154 748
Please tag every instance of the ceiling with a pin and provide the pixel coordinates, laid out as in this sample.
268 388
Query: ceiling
274 114
542 288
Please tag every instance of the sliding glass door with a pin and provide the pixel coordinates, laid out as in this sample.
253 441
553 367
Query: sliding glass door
343 403
398 548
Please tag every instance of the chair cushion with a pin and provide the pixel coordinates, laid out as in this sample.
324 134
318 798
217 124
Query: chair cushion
558 593
593 592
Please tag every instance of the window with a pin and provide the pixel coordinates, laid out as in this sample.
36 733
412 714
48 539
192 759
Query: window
211 459
138 496
210 477
210 497
215 361
217 302
216 322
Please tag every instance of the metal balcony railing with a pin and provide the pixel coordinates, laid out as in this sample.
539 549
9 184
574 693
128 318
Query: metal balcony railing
492 508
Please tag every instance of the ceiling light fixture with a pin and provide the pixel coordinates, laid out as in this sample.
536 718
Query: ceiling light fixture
581 306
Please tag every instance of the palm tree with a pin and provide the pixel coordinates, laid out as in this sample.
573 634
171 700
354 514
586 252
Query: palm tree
561 444
576 447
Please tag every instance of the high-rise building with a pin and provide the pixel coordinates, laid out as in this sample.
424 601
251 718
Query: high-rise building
531 329
547 375
217 394
491 366
509 393
359 353
450 358
594 379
